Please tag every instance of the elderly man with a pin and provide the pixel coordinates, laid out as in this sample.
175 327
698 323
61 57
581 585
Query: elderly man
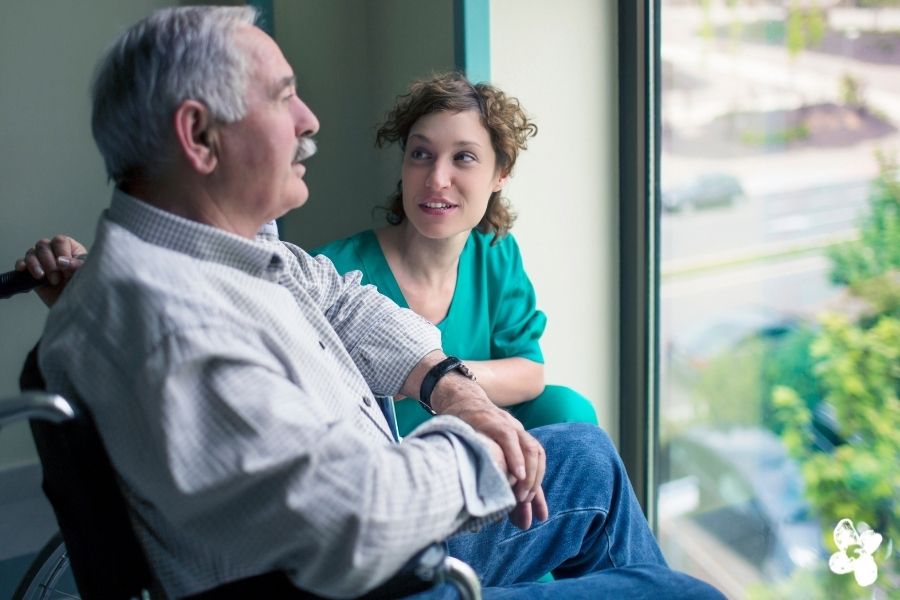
231 376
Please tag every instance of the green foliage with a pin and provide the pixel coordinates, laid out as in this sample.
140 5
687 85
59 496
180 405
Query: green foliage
730 389
780 137
876 254
806 27
706 27
857 364
851 92
734 389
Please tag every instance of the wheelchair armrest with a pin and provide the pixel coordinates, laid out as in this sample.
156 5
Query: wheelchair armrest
35 405
428 568
462 576
431 566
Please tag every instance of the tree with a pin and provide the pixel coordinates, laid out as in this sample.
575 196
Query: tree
857 363
805 27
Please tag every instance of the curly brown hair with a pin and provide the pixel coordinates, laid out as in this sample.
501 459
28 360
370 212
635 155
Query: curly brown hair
503 117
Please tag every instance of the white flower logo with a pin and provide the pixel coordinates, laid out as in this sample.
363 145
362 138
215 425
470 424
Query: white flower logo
855 552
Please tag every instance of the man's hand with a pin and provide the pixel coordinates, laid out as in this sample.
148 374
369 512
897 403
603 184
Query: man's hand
55 259
515 450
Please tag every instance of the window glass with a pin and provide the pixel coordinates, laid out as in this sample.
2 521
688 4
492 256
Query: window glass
778 471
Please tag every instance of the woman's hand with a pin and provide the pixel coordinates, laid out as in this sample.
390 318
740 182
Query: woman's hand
56 261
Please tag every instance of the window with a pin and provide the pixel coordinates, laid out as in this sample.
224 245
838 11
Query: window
778 334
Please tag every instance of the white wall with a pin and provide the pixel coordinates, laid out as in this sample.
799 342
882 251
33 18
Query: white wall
51 175
559 59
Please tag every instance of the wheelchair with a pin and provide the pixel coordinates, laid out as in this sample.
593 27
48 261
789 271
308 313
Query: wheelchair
96 553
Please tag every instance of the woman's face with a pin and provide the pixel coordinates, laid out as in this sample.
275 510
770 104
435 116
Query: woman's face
449 173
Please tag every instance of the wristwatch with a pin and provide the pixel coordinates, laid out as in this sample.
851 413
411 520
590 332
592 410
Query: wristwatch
434 374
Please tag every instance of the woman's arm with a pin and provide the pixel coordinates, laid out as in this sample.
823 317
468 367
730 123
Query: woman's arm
508 381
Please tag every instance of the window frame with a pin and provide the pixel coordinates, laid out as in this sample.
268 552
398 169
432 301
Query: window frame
639 223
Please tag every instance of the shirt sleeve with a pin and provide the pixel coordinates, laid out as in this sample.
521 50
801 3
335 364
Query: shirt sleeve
517 324
384 340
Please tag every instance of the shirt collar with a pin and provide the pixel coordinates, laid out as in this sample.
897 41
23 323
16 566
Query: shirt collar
268 230
204 242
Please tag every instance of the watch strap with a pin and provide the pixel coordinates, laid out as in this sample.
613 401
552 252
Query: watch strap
434 374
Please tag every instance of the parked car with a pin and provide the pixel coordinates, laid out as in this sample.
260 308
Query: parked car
691 352
767 346
742 488
711 189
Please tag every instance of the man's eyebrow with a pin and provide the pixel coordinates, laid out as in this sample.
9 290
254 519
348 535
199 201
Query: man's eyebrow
284 83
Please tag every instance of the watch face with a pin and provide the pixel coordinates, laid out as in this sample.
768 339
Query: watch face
466 371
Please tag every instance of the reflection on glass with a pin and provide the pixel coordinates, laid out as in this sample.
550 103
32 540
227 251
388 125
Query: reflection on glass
780 295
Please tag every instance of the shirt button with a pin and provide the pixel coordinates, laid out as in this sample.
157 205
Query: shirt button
367 400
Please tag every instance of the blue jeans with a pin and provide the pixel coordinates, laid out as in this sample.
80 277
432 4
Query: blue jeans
596 542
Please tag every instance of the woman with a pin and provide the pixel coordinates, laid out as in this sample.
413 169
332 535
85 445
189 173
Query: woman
446 252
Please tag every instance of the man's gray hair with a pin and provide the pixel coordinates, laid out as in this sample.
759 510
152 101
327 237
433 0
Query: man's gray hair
173 55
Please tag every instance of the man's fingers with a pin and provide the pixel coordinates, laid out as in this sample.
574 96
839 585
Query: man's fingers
535 463
33 265
539 505
512 451
521 515
55 259
67 251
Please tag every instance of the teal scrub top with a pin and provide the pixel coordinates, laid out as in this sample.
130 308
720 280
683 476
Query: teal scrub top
492 314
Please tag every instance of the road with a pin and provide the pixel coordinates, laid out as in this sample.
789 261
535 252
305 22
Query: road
762 252
761 225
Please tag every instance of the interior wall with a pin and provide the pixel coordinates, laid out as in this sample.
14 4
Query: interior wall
559 60
51 175
352 58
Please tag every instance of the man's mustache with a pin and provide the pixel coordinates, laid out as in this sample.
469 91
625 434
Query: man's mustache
306 147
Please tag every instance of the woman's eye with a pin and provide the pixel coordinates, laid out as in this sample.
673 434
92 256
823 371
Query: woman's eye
466 157
418 154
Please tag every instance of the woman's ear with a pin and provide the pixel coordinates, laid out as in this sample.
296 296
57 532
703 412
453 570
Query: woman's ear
196 136
501 182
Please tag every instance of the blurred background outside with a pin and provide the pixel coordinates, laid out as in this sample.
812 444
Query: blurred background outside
780 292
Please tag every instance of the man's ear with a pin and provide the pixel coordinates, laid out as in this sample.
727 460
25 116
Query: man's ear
196 136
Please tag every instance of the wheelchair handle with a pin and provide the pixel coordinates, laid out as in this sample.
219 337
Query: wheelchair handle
18 282
36 405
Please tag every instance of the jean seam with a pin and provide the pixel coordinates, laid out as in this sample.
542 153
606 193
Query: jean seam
609 553
540 525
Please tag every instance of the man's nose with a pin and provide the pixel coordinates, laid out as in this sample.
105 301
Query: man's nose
305 121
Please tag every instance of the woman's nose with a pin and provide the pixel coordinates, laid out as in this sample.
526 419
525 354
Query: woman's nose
439 177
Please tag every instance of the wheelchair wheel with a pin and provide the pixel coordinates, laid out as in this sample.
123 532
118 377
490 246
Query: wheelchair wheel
49 577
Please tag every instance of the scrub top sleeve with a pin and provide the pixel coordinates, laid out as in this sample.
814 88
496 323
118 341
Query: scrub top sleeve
517 324
341 253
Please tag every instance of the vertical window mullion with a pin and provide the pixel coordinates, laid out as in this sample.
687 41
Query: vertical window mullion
638 242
